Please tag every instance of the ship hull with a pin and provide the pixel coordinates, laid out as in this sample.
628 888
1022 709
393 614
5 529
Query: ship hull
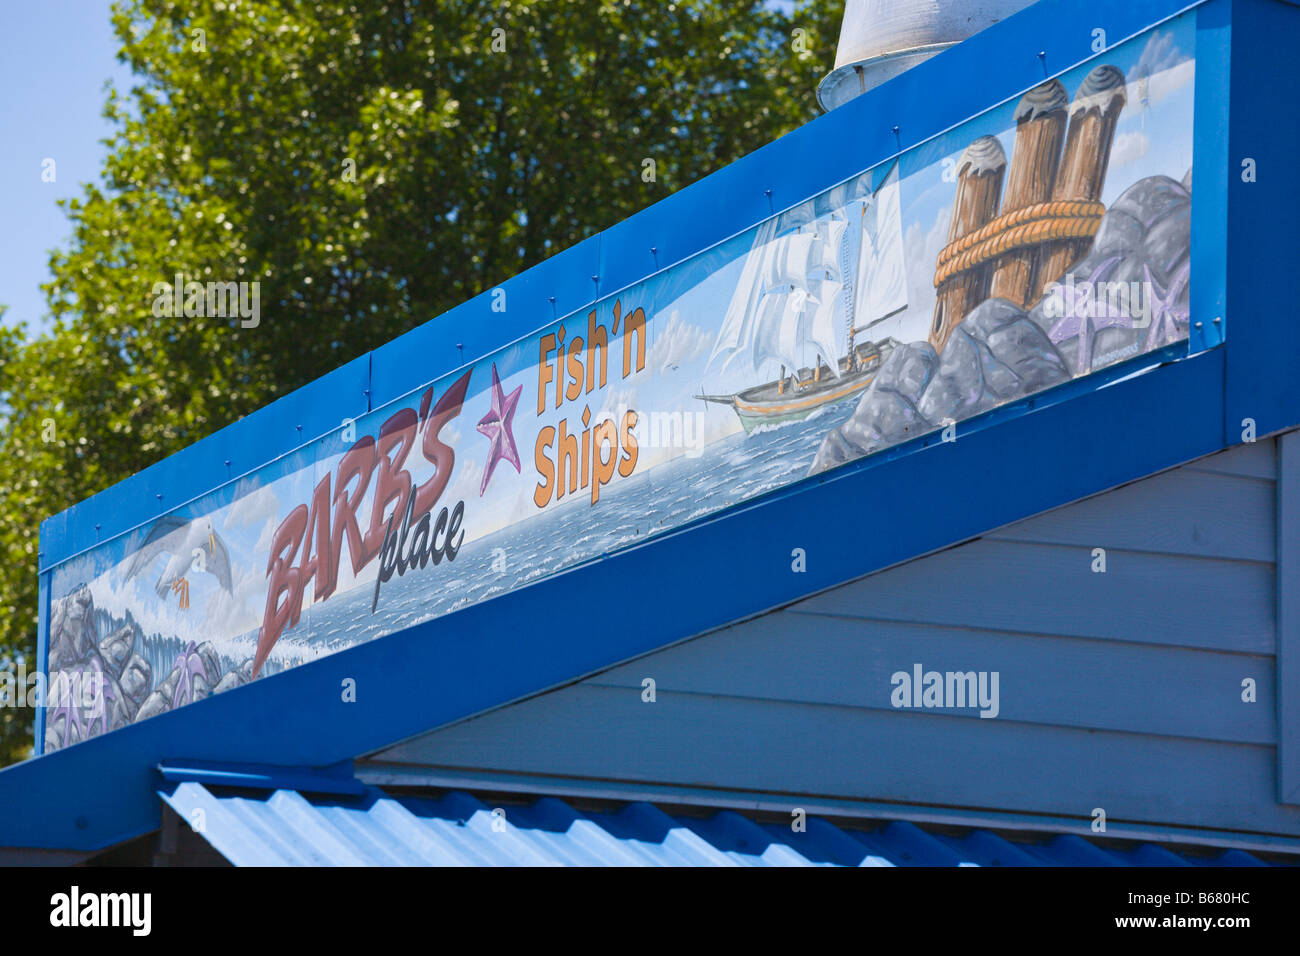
796 397
765 405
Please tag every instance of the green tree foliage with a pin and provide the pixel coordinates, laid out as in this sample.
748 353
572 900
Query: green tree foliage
483 137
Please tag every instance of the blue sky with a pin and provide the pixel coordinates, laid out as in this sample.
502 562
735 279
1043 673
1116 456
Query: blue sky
55 56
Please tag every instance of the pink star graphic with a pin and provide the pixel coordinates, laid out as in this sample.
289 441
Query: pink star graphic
496 426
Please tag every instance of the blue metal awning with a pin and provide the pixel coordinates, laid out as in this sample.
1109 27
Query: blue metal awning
286 827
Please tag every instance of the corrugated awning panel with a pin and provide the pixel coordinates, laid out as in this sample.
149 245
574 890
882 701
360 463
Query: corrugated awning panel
289 828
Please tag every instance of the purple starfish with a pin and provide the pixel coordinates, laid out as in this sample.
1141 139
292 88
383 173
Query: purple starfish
68 709
191 666
1084 314
103 694
496 426
1165 317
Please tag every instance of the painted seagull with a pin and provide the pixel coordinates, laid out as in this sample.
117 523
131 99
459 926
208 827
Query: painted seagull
180 540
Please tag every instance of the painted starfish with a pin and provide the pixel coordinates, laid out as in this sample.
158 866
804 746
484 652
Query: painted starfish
1082 317
191 665
104 696
496 426
71 700
1165 316
70 712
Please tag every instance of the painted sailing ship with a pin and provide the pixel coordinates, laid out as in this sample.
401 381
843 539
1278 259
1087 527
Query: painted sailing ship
797 279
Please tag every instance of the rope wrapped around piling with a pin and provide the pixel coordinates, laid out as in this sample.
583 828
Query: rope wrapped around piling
1028 226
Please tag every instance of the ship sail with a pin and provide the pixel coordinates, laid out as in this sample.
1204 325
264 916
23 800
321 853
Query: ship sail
882 273
817 324
792 259
767 344
830 251
738 323
794 283
783 307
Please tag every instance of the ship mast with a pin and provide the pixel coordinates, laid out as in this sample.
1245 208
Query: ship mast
851 311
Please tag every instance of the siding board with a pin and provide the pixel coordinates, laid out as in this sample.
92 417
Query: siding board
1181 513
1051 590
1255 460
1120 690
1051 681
848 753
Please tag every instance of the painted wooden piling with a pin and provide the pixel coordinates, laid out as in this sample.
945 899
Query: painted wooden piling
1082 176
979 193
1041 120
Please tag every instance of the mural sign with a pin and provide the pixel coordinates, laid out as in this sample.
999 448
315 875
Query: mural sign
1042 241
